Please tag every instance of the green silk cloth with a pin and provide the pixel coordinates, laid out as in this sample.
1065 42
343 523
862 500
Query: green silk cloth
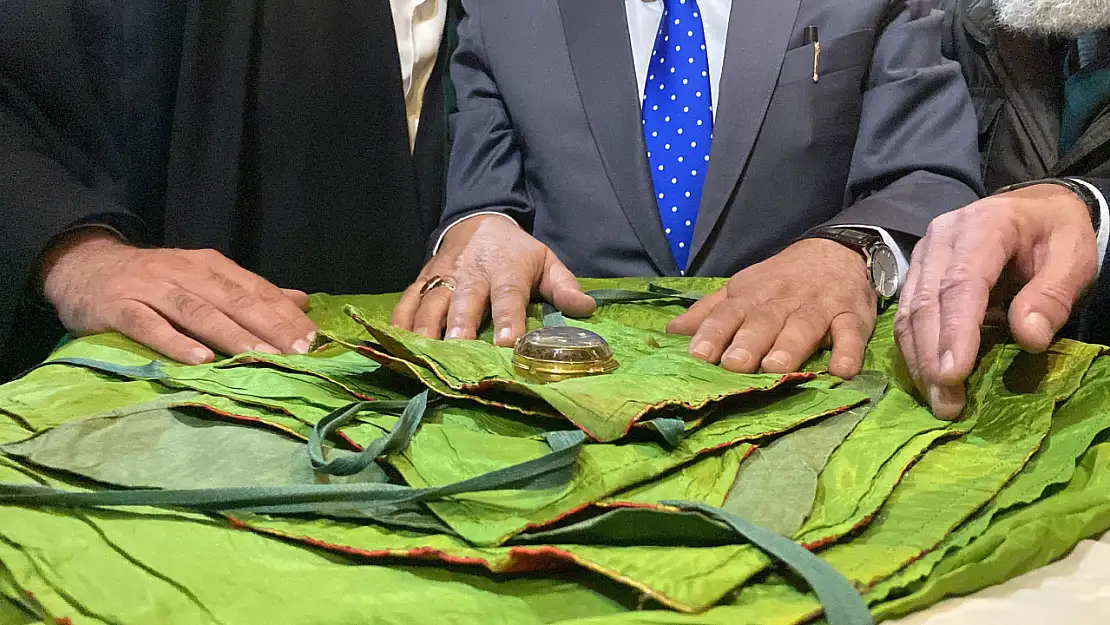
908 509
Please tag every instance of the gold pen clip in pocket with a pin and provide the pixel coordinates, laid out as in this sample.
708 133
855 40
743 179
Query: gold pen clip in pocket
812 38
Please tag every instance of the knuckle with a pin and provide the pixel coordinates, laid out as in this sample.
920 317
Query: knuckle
189 305
903 325
511 288
470 289
960 279
923 304
130 316
1059 295
809 323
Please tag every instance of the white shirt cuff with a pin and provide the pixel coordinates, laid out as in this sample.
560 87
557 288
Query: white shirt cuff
1103 234
439 241
899 254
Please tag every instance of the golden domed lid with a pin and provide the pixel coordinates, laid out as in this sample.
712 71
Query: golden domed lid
558 353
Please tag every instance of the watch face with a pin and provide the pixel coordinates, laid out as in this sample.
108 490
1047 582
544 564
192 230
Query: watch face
884 271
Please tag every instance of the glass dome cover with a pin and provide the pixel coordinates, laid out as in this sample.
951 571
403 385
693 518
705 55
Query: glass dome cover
558 353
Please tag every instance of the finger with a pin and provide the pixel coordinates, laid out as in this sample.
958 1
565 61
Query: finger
468 308
142 324
198 318
431 317
980 251
559 286
252 302
717 331
688 322
299 298
1043 306
924 304
510 292
800 337
404 313
903 322
946 402
753 340
849 336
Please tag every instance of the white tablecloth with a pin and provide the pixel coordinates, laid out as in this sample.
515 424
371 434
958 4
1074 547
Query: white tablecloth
1073 591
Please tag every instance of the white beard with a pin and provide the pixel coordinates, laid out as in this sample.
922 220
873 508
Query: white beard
1068 18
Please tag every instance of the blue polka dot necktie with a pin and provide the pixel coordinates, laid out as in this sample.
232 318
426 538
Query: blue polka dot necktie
678 121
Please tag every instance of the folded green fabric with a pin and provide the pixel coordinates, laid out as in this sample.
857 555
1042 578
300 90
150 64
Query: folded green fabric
908 508
654 375
441 456
776 488
1075 426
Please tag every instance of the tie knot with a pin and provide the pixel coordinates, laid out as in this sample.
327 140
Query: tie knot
684 7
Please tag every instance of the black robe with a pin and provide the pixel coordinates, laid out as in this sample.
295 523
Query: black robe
273 131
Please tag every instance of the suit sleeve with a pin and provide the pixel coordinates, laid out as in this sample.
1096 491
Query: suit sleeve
486 171
916 154
52 175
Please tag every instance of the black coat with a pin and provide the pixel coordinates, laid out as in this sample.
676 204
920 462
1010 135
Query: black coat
1017 86
272 131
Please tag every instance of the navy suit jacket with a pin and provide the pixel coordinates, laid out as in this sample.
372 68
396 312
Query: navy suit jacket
548 130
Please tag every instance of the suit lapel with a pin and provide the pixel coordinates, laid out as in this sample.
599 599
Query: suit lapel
601 56
758 35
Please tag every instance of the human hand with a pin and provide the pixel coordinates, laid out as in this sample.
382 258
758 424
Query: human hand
775 314
1038 238
494 266
182 303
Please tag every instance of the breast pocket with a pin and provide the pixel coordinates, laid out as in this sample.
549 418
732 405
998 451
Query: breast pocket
837 55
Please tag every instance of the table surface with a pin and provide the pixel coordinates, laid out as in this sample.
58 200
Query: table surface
1073 591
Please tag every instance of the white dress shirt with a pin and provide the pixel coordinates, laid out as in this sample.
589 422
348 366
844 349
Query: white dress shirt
1103 234
419 28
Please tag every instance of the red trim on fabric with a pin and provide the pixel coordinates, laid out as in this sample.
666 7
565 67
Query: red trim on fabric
540 551
825 541
431 553
549 522
244 418
540 558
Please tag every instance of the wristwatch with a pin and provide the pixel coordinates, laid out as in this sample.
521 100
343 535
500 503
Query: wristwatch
882 264
1077 188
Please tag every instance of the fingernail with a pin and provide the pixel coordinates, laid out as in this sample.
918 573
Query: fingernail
266 349
300 347
455 333
703 350
196 357
846 364
947 362
944 404
738 357
1040 324
934 396
504 336
777 357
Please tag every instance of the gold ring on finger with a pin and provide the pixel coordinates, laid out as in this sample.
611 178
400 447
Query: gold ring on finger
435 282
